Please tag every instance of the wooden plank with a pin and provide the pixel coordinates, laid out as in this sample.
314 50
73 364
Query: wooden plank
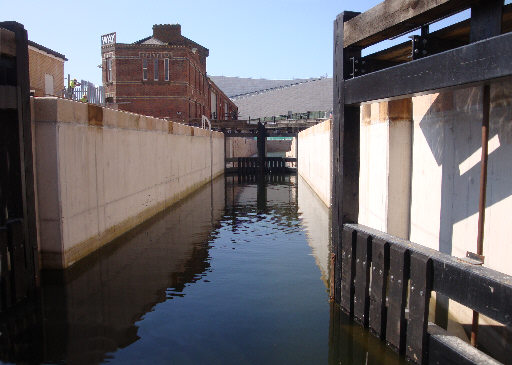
486 18
339 59
7 43
397 296
5 280
450 350
394 17
8 99
26 158
458 68
18 259
380 269
362 278
348 247
419 296
481 289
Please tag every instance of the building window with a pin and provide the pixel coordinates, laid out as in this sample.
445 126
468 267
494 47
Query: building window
155 68
144 69
109 69
166 69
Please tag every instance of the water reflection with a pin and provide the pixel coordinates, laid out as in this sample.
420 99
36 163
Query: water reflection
315 216
92 309
229 275
350 343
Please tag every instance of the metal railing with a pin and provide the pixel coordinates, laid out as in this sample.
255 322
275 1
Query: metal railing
86 92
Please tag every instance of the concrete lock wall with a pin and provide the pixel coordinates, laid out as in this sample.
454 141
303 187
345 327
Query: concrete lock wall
420 171
241 147
420 176
315 159
100 172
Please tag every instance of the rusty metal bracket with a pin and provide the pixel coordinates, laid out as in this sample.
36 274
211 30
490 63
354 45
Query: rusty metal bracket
473 259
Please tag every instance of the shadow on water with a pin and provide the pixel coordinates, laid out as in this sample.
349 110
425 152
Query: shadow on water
235 273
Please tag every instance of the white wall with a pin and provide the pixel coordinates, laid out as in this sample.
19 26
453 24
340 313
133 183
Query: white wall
385 166
241 147
446 173
100 172
315 159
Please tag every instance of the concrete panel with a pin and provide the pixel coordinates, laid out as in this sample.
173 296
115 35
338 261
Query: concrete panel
241 147
98 180
446 173
315 159
385 166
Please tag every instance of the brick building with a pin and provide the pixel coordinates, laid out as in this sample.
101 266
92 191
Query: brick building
46 69
163 75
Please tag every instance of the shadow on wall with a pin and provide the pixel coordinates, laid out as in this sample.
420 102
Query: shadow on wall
451 127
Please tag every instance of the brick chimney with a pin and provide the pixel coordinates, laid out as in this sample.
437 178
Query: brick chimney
167 32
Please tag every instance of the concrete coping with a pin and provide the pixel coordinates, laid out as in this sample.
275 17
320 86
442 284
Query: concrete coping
58 110
319 128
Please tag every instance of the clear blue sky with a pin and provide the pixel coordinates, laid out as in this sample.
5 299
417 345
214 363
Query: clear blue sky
273 39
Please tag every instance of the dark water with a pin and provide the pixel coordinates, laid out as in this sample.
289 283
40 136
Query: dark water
235 274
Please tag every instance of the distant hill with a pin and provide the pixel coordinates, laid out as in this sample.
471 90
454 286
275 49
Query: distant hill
234 86
308 95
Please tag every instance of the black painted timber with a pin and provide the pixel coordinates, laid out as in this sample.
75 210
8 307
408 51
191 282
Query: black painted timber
362 278
348 244
345 149
396 325
486 19
380 269
20 275
469 65
444 349
419 296
470 285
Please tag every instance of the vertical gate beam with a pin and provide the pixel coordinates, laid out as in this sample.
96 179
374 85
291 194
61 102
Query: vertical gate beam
419 297
347 260
380 268
345 146
397 297
362 279
261 143
486 20
26 158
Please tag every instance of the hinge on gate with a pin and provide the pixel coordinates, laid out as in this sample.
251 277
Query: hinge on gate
359 66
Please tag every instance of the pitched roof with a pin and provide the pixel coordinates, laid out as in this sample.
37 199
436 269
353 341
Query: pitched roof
182 41
47 50
237 86
314 95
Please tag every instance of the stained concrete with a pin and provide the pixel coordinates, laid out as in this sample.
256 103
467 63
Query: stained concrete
101 172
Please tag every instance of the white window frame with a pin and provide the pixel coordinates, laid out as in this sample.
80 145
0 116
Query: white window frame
144 69
109 69
155 69
166 69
